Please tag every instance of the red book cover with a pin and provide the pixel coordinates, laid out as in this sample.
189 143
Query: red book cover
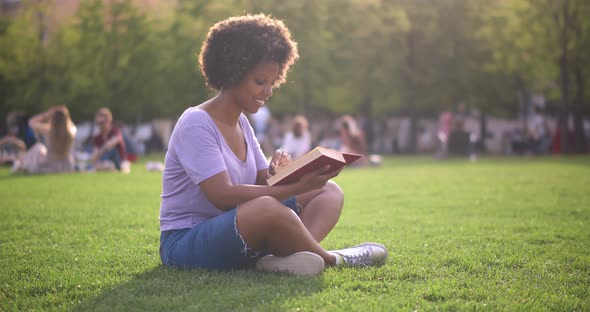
314 160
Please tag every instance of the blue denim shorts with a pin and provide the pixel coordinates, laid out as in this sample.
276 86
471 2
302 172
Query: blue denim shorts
214 244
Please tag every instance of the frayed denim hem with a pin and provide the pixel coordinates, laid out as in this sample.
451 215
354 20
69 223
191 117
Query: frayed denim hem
247 250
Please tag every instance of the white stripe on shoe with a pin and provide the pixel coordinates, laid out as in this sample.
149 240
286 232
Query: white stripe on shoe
303 263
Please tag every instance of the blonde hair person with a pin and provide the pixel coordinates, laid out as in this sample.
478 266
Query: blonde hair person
61 135
58 130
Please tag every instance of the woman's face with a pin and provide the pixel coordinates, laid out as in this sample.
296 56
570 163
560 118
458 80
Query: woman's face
256 87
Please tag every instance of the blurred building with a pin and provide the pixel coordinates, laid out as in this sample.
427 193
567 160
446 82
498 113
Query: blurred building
9 7
65 8
52 13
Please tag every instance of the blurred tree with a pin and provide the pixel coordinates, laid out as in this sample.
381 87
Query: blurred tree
179 40
542 44
23 62
373 58
114 61
579 32
462 76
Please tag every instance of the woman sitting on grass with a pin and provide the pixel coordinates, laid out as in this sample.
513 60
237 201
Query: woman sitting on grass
58 132
217 211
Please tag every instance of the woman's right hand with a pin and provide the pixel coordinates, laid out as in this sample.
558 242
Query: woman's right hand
280 159
317 179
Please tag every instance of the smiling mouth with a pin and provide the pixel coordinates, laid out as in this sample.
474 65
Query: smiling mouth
261 102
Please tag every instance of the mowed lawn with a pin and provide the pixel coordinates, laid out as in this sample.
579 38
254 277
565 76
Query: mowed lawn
496 234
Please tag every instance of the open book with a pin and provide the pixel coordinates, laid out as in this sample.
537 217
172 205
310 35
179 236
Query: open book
309 162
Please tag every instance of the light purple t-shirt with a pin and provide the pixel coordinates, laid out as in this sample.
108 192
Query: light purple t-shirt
196 152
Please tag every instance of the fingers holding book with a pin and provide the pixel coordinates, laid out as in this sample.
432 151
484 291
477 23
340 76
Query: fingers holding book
318 178
281 158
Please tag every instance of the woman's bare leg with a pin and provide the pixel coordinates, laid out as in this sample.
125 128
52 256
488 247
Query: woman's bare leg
321 209
265 223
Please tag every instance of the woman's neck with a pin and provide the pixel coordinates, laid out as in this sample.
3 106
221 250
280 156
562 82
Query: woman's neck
223 108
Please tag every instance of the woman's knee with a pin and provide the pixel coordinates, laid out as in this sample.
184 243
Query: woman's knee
262 218
334 191
331 186
265 211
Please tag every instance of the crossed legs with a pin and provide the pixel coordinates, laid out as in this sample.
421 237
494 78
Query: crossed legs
265 223
321 209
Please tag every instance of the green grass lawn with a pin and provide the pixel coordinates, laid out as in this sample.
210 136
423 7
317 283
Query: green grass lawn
497 234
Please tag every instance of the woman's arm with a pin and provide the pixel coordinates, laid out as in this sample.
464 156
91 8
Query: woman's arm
108 145
112 142
40 122
224 195
262 176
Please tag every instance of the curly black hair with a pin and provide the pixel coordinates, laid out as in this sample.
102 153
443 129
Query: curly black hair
236 45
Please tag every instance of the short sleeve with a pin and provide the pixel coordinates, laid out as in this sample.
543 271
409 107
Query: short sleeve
197 149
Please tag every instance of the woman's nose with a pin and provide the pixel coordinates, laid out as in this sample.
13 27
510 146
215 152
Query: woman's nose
268 91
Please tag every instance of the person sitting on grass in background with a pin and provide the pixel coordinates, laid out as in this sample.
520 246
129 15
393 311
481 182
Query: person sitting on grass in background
57 130
297 142
109 145
217 212
353 139
13 145
11 149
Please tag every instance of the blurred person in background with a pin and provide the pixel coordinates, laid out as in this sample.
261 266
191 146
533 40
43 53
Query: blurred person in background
330 137
109 149
130 143
261 121
57 130
460 114
19 137
445 125
297 142
353 139
538 133
459 140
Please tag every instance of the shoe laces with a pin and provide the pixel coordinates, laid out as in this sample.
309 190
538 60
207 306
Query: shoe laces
362 258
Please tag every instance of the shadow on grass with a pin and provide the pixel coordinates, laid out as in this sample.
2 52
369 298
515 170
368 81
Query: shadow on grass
164 289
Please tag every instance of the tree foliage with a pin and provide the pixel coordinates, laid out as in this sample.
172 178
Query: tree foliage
371 57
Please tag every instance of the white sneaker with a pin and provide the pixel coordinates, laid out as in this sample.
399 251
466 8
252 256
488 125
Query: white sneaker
302 263
366 254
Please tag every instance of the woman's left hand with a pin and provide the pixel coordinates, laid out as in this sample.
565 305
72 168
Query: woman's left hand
281 158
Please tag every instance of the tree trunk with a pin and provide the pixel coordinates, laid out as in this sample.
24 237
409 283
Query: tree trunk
304 108
412 144
411 98
367 112
564 75
580 143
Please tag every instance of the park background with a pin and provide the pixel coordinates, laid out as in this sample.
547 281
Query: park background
501 233
374 59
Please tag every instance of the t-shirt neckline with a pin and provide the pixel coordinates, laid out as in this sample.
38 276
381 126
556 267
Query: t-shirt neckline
242 162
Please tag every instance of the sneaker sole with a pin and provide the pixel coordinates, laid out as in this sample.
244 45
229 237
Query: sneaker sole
303 263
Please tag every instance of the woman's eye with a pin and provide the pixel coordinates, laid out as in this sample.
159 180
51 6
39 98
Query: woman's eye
259 82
